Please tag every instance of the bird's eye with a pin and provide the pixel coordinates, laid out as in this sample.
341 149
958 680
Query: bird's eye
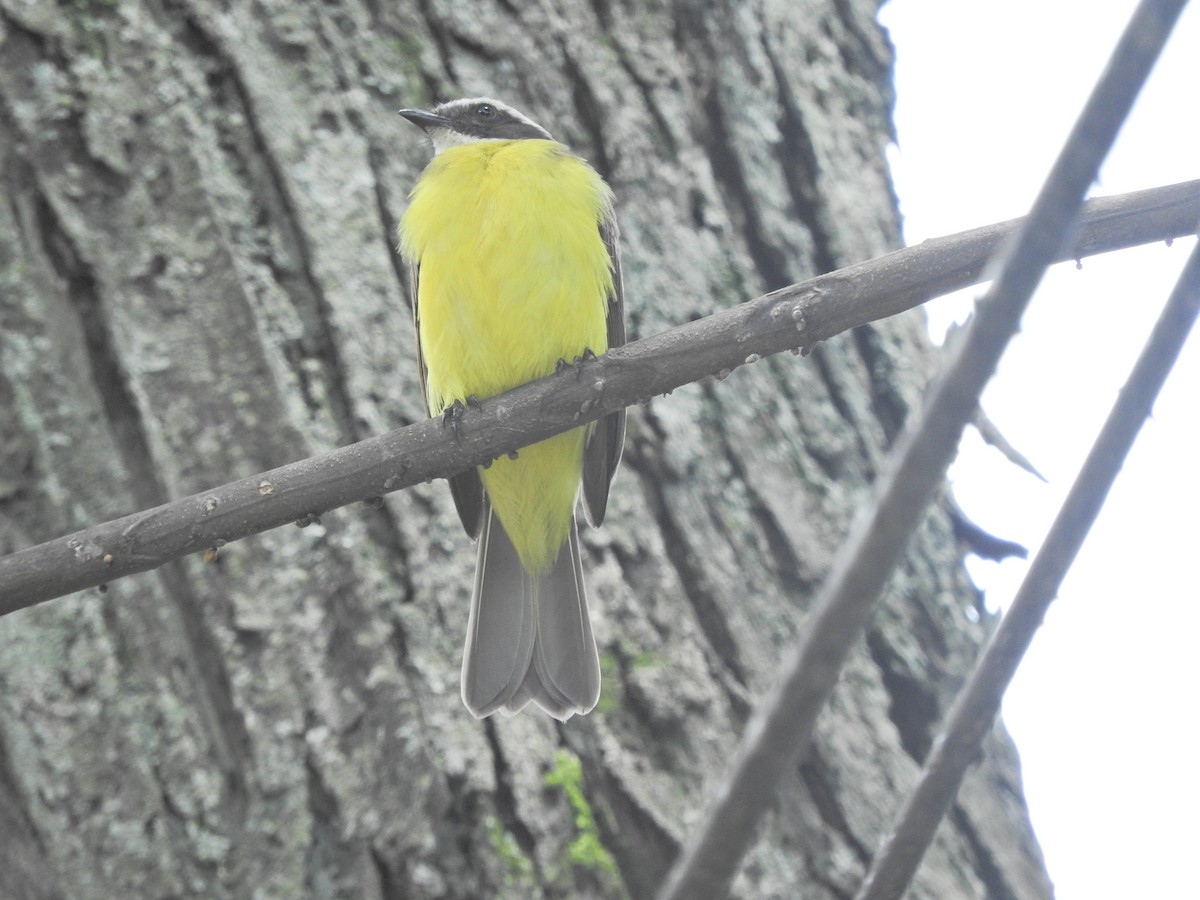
485 111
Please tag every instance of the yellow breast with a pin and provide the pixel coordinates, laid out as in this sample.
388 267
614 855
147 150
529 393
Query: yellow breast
514 276
513 273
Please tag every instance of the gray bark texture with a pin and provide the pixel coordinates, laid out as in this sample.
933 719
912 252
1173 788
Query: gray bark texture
198 282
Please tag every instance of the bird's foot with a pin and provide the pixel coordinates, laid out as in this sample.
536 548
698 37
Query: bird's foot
452 414
577 363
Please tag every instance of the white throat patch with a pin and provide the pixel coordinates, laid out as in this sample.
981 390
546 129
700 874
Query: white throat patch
445 138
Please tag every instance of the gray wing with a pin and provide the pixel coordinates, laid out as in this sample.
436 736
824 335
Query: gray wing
466 488
603 452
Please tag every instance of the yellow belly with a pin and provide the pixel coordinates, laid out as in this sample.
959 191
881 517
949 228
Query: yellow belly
514 276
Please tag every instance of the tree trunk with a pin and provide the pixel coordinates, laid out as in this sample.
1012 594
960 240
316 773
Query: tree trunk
198 282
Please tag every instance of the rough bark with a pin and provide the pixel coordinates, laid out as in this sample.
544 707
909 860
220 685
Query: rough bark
198 282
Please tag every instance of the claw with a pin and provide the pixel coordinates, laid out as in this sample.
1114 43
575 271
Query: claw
452 414
577 363
452 417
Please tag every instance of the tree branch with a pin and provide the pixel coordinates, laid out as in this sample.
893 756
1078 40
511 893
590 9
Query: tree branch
798 316
976 708
781 727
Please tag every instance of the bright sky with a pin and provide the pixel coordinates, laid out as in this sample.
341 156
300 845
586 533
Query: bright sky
1105 709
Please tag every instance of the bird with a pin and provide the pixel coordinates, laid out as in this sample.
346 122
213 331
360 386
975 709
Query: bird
513 250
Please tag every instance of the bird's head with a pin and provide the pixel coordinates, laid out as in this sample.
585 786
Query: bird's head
474 119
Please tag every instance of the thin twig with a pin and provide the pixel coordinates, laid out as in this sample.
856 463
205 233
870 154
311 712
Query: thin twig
781 727
977 705
800 315
993 437
976 540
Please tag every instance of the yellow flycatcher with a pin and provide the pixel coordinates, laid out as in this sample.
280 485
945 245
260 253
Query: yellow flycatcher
513 247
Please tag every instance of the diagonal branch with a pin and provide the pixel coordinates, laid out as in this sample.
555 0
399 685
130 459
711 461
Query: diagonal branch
797 316
781 727
976 708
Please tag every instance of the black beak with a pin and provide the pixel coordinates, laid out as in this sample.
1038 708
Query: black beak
423 119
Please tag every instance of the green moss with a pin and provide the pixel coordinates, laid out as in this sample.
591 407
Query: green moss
586 851
646 660
518 868
610 683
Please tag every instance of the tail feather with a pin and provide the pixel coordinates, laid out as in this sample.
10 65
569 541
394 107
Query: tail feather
529 637
564 651
501 628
